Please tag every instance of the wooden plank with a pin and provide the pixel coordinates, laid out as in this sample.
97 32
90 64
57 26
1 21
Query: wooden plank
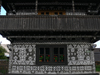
65 23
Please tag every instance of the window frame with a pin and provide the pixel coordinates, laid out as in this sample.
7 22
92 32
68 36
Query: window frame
51 55
60 13
42 13
47 13
55 13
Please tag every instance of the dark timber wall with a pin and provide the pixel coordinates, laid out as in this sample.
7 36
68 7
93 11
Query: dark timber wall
56 23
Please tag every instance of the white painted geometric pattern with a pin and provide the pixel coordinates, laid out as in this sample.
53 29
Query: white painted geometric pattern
79 54
23 60
51 69
24 55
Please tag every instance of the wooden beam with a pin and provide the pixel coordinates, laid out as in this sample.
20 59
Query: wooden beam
9 7
73 36
90 5
98 7
24 3
36 7
73 6
53 3
13 7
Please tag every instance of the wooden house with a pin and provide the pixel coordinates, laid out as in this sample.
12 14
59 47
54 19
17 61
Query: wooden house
97 56
50 37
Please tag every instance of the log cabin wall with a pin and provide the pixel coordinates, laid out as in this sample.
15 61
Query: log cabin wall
24 58
29 31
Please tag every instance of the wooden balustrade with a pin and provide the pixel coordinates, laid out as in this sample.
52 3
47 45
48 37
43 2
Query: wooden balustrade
47 22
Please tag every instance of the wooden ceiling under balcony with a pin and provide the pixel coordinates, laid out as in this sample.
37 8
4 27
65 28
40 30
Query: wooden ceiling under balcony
11 5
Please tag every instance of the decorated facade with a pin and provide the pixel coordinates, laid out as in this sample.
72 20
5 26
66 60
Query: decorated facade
51 36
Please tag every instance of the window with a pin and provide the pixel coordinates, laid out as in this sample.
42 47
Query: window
56 13
60 13
44 55
42 13
51 54
47 13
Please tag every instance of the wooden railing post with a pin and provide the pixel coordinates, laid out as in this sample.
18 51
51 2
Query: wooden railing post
73 6
36 7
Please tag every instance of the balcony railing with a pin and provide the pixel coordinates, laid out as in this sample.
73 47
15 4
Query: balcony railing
55 23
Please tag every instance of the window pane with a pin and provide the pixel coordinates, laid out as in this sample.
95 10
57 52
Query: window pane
47 13
55 58
41 50
55 50
47 58
61 50
61 58
61 54
56 13
47 50
41 58
55 54
42 13
60 13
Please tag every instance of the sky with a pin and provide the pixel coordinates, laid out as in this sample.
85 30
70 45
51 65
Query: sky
3 12
3 40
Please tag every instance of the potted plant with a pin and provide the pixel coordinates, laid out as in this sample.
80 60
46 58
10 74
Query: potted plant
41 58
47 58
55 58
61 58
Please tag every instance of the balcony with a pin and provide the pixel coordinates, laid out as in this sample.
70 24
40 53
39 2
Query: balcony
49 23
